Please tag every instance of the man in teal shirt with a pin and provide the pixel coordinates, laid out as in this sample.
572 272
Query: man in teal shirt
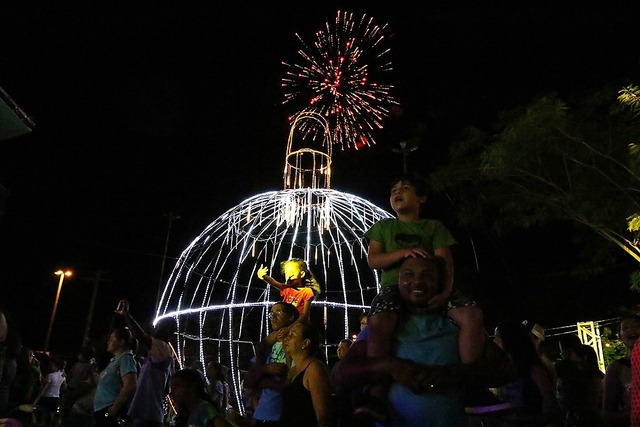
425 370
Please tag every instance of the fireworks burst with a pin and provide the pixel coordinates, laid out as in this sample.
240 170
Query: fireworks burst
339 77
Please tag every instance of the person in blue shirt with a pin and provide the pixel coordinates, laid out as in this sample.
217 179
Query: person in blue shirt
270 375
117 382
424 369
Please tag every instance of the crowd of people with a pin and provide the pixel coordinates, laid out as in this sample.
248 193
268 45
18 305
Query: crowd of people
135 382
423 358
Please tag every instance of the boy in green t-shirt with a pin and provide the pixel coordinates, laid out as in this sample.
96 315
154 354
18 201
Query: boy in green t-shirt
390 242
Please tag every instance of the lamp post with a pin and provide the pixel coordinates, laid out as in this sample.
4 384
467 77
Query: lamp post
62 275
172 216
404 149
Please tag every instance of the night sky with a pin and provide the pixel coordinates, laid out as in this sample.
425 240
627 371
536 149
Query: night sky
145 108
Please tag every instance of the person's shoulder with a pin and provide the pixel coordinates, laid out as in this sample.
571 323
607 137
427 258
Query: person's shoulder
159 350
625 361
308 290
384 222
126 355
363 334
127 362
617 365
317 368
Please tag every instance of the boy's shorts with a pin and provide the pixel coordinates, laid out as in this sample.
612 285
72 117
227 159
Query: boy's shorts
389 300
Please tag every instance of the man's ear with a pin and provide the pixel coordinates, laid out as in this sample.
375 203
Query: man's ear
302 274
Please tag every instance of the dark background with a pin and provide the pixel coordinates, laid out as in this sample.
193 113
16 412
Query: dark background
144 108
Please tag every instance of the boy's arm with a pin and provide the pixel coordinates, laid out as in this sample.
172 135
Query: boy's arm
377 258
262 275
306 312
260 370
257 373
264 347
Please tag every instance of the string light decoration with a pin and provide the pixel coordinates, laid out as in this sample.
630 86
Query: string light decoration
213 292
341 77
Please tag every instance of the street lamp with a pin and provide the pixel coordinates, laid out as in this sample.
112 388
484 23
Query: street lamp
62 275
172 216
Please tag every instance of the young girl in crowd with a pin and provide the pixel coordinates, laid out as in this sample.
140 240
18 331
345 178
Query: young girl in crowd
189 395
218 388
300 287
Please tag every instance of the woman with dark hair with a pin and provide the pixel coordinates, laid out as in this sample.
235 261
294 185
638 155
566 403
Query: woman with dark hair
532 393
117 382
218 388
193 406
81 379
307 398
53 380
578 383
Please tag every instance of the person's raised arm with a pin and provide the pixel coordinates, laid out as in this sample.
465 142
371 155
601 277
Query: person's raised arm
377 258
262 275
306 312
136 330
3 327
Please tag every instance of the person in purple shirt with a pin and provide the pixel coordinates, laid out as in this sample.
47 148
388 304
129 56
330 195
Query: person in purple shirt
148 404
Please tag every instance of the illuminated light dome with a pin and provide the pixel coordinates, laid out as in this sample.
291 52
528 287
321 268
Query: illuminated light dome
213 292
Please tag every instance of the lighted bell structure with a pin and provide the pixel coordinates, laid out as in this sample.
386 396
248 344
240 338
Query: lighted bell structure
213 292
